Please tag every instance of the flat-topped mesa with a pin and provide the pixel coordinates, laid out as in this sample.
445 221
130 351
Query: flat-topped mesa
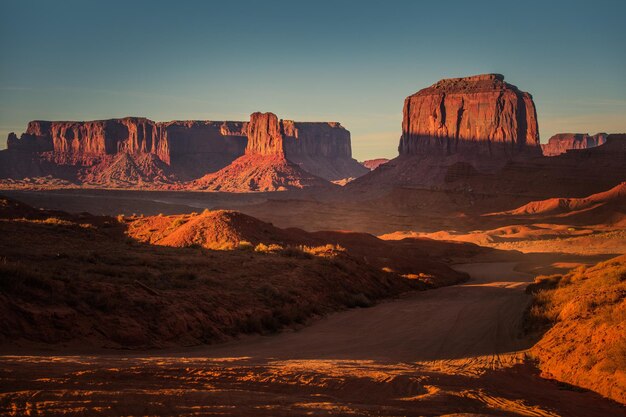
168 140
323 139
267 135
194 148
223 140
477 115
563 142
320 148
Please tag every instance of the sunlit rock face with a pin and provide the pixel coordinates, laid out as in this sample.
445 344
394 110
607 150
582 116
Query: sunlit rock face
478 115
563 142
133 135
195 147
321 148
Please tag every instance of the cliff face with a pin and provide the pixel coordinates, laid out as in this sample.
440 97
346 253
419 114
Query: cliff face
132 135
265 135
562 142
189 149
372 164
325 139
320 148
478 115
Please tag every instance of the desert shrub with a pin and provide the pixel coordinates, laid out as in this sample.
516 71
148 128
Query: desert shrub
356 300
245 245
295 252
57 221
177 223
120 218
616 357
327 250
271 248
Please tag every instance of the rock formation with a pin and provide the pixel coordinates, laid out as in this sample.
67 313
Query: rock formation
479 115
562 142
478 136
264 166
372 164
321 148
172 151
265 135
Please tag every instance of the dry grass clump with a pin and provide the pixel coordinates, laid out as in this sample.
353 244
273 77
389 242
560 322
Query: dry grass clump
271 248
57 221
585 291
586 344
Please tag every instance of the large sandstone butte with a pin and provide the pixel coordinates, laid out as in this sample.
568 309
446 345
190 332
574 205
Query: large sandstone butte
181 150
563 142
265 165
322 149
478 136
479 115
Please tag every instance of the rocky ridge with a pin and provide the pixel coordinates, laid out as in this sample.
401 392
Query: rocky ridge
562 142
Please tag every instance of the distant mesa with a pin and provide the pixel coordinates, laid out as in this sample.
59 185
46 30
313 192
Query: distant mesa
563 142
372 164
136 150
481 115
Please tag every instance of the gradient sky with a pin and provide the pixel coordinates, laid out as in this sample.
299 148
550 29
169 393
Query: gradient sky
347 61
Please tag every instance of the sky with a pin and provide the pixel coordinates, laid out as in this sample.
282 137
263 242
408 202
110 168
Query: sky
347 61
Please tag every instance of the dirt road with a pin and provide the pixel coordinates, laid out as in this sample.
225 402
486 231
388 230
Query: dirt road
441 352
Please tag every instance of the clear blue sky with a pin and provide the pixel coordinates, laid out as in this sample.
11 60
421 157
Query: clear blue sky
352 62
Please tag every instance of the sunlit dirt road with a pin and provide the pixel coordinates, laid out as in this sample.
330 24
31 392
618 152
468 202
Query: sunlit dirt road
451 351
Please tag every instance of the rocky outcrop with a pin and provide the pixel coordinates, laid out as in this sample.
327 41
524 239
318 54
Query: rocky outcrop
188 149
323 149
478 136
479 115
265 166
372 164
320 148
562 142
169 140
265 135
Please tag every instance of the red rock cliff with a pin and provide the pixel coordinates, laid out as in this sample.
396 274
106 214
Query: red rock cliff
194 148
321 148
562 142
481 114
265 135
328 139
167 140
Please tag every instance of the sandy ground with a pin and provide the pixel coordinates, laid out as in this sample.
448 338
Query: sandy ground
451 351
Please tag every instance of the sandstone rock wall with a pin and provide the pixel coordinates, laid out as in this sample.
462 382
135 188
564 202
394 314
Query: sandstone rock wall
327 139
562 142
265 135
480 115
133 135
320 148
194 148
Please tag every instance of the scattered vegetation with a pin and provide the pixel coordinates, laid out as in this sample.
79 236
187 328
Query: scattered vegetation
120 292
584 314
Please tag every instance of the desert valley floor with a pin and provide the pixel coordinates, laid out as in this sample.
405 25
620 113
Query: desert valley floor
459 350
